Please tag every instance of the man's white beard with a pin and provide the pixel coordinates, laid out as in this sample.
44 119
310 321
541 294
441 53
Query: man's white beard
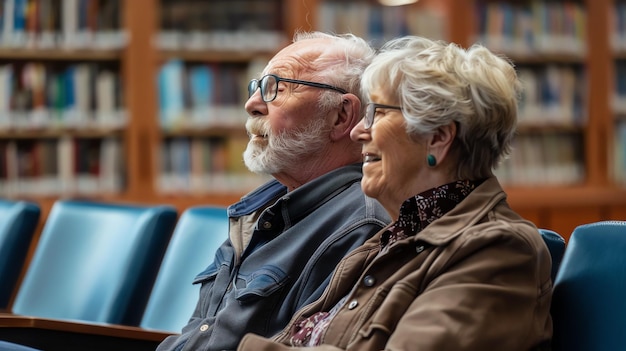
286 151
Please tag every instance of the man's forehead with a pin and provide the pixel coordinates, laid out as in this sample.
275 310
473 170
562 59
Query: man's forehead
297 57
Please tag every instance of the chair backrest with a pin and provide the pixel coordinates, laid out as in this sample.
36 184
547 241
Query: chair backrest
18 221
589 300
95 261
9 346
556 246
198 234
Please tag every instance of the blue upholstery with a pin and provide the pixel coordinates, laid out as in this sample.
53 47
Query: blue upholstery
9 346
198 234
18 221
95 262
556 246
589 301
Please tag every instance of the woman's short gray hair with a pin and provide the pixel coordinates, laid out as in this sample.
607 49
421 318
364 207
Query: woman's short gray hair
437 83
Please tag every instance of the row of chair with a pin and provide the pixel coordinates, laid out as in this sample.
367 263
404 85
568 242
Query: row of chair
92 282
102 276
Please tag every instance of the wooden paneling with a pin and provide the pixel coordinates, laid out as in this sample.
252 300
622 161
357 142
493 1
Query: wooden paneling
564 220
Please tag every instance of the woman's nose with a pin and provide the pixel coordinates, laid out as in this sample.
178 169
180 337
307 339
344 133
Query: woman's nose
358 132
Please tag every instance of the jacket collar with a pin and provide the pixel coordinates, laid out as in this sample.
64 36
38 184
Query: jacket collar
306 198
466 214
302 200
256 199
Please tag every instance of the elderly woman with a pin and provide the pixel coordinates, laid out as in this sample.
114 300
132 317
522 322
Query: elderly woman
457 269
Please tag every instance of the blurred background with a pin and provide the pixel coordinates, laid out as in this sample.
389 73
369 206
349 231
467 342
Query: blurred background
142 100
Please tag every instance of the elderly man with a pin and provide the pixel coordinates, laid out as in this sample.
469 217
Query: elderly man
287 236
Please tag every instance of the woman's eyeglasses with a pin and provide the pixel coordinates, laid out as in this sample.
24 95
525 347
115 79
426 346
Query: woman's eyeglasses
269 86
370 112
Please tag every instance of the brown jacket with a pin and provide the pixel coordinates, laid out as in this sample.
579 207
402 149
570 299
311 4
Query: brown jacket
478 279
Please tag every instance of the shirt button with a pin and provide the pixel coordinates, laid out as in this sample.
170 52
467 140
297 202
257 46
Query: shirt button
204 327
369 281
353 304
267 225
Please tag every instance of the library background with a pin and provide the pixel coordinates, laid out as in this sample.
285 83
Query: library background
142 100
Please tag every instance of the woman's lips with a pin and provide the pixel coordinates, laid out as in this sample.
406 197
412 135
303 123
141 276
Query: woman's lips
367 157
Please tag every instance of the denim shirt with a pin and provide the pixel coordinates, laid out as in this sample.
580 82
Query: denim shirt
296 242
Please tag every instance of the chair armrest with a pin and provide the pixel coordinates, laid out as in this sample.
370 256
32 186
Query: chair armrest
52 334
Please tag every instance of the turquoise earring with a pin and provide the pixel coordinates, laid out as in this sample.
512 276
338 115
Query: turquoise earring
432 161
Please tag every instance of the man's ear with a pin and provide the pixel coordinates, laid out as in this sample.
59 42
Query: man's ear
441 141
347 117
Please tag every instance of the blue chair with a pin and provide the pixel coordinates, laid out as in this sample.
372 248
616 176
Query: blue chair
95 262
9 346
18 222
198 234
556 246
588 303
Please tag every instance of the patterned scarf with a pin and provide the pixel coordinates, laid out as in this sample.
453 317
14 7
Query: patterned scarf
419 211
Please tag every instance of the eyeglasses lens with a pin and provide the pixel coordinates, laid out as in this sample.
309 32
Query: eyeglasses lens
268 85
369 116
269 88
252 87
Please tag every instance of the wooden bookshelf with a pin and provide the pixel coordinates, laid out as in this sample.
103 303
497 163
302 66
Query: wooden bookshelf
598 196
557 207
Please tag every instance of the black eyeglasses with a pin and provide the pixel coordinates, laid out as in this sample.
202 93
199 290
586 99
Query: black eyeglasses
269 86
370 112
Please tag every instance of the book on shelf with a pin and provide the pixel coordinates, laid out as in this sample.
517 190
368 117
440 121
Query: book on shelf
183 169
525 29
218 151
379 23
87 156
230 96
6 79
201 91
552 95
49 160
201 165
60 166
170 87
110 110
236 145
201 95
66 152
81 79
221 25
49 18
27 169
619 88
9 167
110 32
14 22
617 27
35 95
547 158
67 24
164 179
181 163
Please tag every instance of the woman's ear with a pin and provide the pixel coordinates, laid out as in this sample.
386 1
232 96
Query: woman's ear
347 117
441 141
